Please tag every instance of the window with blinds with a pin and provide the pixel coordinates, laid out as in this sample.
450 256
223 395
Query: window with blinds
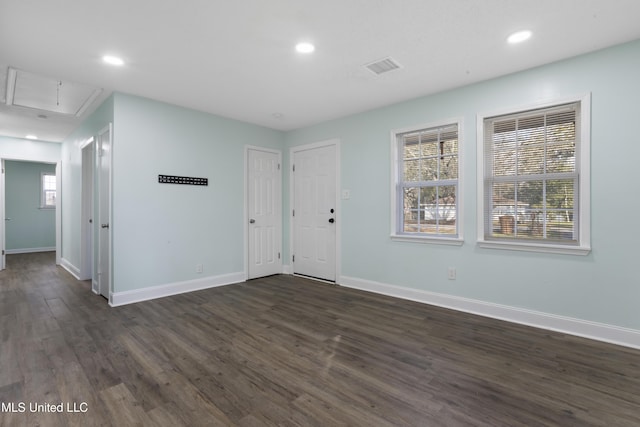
48 190
427 189
532 176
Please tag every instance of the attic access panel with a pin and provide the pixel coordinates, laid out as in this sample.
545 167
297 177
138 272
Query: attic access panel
30 90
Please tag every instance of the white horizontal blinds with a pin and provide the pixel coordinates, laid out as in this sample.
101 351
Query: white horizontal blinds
48 190
531 175
428 181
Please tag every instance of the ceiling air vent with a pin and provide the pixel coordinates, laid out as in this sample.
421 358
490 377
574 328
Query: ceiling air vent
383 66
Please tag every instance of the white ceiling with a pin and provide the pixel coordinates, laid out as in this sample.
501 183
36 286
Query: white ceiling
237 59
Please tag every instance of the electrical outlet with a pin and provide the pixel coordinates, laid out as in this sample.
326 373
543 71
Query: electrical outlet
451 273
199 268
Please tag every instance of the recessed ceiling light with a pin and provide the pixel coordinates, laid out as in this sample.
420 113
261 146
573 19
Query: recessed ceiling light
519 37
113 60
31 137
305 47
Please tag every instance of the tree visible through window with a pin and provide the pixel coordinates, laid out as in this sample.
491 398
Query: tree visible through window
531 175
427 184
48 193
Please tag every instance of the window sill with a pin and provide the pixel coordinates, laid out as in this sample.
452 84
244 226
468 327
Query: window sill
450 241
535 247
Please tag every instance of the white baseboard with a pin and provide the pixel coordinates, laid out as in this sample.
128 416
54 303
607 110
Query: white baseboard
582 328
29 250
75 271
153 292
286 269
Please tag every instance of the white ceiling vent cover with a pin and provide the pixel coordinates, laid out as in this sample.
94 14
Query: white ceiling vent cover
383 66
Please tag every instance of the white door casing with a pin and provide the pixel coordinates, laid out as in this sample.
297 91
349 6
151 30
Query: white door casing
104 153
264 212
59 198
87 213
58 213
314 213
2 214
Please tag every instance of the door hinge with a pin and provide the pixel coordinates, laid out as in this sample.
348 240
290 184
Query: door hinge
293 258
293 212
278 255
3 252
294 168
278 166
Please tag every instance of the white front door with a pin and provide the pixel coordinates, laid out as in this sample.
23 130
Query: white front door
104 150
314 212
264 211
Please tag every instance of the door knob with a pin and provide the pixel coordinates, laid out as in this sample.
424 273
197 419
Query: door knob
331 220
104 225
252 221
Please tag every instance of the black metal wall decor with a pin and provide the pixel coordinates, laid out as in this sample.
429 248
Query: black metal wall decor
185 180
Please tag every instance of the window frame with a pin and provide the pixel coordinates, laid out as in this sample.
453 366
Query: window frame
43 191
396 202
583 162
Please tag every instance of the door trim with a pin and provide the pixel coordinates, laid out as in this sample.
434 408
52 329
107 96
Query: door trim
59 198
98 150
87 203
338 253
2 218
245 228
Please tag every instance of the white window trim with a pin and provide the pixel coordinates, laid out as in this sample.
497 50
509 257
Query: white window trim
42 197
440 240
584 181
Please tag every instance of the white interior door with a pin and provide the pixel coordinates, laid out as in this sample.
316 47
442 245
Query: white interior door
314 212
104 153
264 211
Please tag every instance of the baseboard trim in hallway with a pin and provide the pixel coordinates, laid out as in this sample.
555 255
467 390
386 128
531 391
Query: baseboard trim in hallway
153 292
30 250
72 269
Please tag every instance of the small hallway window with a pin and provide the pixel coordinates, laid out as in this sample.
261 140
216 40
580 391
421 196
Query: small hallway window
48 191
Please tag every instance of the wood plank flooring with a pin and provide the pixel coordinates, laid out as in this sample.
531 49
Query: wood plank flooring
290 352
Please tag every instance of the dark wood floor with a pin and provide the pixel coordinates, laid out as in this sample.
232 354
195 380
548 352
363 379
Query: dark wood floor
291 352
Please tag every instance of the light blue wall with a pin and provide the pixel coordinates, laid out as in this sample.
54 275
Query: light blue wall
72 180
30 226
601 287
25 149
161 231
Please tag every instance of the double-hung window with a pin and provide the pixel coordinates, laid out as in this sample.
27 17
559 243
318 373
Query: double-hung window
534 191
426 188
48 191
